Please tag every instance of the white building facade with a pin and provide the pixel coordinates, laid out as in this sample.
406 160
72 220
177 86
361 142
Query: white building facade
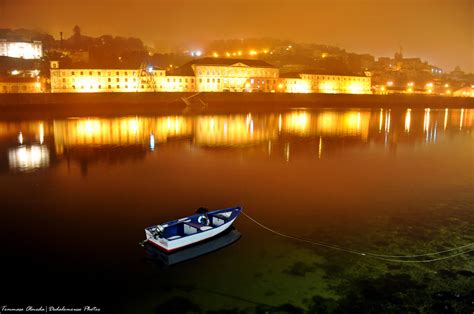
18 49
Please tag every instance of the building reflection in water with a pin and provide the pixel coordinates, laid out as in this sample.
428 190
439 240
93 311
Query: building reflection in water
234 130
27 158
126 131
327 123
31 145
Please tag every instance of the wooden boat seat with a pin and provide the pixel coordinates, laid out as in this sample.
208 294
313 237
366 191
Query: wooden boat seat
206 228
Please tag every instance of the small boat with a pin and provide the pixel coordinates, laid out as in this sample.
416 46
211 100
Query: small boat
177 234
224 239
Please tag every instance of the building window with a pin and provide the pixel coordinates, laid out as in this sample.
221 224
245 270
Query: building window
126 79
82 73
64 80
109 80
117 73
118 80
82 87
72 72
100 86
110 86
118 86
99 73
90 72
74 86
126 86
126 73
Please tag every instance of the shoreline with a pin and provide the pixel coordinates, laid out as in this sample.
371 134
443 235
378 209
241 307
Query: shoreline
57 105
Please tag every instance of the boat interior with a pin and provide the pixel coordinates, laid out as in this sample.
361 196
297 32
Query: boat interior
196 223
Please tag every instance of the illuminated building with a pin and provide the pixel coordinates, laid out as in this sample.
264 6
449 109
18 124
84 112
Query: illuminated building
292 83
464 92
25 50
336 83
233 75
210 74
82 80
20 85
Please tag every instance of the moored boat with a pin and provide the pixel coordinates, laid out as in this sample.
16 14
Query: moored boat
161 258
177 234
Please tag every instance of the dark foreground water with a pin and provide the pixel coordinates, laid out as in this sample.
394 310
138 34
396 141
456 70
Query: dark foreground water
76 193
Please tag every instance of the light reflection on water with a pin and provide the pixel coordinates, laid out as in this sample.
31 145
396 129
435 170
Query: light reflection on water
393 181
236 130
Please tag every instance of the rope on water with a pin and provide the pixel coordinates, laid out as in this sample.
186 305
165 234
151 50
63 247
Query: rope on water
391 258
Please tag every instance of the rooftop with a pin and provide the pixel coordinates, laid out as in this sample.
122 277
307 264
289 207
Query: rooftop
187 69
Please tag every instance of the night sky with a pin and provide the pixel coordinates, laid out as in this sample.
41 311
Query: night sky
439 31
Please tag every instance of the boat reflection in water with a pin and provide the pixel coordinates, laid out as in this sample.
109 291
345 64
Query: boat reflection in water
227 238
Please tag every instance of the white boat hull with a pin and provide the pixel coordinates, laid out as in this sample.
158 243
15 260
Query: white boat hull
175 244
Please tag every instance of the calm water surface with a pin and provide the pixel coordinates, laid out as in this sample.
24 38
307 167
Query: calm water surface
76 194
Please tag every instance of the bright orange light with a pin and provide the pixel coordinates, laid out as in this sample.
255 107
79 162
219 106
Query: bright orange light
215 54
390 83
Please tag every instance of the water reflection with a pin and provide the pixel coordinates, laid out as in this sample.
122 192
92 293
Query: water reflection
27 158
31 145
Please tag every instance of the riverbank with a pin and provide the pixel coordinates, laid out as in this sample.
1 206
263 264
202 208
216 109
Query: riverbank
48 105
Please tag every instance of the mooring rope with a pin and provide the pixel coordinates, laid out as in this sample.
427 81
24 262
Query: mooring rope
390 258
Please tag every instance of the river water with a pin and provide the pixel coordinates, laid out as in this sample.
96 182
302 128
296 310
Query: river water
77 192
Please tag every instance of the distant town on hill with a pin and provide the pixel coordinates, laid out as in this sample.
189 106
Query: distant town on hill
109 51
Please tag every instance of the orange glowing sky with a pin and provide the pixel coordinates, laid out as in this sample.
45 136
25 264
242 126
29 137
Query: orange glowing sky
439 31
